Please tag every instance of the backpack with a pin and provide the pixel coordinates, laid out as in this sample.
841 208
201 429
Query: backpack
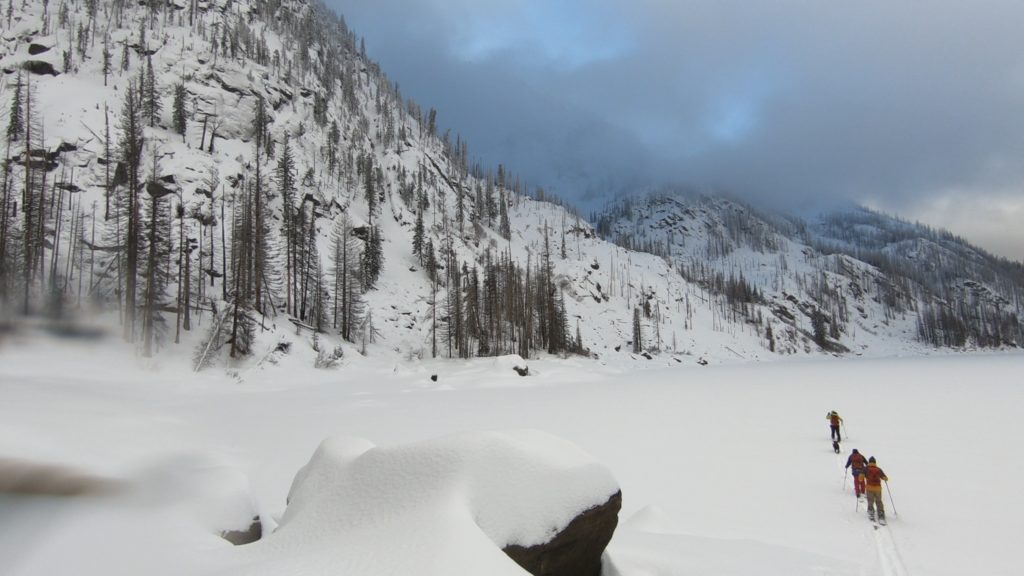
874 475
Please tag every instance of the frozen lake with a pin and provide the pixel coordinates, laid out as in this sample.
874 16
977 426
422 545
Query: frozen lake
724 469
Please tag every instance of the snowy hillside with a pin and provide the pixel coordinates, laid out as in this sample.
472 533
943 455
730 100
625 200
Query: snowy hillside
231 178
227 238
243 167
853 281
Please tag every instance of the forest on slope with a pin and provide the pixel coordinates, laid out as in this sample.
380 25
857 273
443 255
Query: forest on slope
216 173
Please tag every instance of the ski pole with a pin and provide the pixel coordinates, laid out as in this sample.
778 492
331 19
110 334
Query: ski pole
890 498
845 433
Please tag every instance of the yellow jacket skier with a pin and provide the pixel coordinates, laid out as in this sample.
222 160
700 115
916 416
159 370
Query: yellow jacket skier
874 476
834 422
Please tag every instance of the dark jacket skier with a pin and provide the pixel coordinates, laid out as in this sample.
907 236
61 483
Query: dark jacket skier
857 463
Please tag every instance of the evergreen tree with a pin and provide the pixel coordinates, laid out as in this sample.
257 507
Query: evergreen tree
460 207
562 250
490 205
368 186
505 227
131 156
259 227
16 118
432 270
178 110
157 246
333 140
150 95
248 249
373 258
15 128
818 322
106 59
309 269
638 345
261 125
33 203
82 38
284 173
417 236
125 58
348 307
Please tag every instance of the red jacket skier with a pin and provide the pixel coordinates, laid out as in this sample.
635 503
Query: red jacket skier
857 463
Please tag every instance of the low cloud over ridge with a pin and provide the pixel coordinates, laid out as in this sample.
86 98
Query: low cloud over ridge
910 107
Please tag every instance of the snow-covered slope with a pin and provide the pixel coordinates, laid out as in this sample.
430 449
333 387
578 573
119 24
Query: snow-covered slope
695 281
873 284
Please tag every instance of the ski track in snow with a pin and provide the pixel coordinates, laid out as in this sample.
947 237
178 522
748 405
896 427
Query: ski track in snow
889 560
888 554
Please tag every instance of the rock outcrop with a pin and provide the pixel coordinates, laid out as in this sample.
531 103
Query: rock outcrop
577 549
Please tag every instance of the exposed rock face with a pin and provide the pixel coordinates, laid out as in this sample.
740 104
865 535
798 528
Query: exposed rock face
40 68
576 550
239 537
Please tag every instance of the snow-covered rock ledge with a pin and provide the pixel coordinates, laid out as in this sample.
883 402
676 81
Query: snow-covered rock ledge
445 506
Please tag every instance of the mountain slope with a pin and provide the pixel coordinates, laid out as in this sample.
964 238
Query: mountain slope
853 280
286 194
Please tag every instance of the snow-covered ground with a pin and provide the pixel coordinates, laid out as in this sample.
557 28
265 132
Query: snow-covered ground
723 469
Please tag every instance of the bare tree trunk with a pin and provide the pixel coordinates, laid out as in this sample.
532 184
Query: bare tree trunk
181 248
26 197
106 166
4 223
188 286
258 234
213 250
92 249
224 246
150 302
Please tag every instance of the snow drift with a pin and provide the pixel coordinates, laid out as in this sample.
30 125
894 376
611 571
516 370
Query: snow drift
445 506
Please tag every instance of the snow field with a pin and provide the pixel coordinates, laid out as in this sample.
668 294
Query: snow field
724 469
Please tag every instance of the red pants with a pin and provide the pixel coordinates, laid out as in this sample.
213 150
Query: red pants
858 482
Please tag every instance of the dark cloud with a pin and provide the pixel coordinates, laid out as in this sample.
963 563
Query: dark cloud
912 107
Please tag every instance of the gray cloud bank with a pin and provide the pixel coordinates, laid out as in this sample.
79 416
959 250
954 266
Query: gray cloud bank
908 106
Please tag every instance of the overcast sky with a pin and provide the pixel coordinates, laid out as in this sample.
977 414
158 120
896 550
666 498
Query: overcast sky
909 106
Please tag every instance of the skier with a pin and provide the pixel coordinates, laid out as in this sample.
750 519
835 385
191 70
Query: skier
834 421
874 477
856 463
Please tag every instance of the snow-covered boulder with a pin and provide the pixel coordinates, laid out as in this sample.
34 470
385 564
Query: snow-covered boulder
445 506
203 493
577 549
512 362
